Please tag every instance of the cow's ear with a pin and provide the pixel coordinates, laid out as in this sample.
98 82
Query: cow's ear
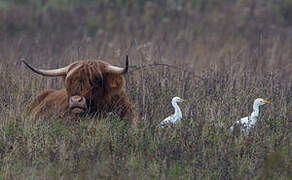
114 81
113 84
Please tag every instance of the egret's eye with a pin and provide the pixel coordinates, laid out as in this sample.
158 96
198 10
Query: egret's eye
96 81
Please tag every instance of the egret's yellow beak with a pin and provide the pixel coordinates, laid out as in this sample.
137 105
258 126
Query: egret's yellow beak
182 100
267 102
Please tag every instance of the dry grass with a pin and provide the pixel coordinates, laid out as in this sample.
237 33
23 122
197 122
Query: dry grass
220 74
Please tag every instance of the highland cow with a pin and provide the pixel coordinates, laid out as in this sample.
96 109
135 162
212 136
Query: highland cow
91 87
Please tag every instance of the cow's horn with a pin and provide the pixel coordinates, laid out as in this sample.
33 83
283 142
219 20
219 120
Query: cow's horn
118 70
52 72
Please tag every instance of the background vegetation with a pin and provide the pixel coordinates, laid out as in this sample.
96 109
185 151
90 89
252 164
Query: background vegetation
226 54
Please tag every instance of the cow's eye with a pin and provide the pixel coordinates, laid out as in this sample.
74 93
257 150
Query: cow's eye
96 81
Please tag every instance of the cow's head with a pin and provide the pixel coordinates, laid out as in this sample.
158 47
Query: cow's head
88 82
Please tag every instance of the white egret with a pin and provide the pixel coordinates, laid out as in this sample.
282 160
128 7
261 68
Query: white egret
177 112
246 123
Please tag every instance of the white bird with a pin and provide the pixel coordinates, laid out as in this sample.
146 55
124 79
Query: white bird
177 112
246 123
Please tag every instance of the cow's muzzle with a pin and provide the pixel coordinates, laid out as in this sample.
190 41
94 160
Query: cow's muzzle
77 104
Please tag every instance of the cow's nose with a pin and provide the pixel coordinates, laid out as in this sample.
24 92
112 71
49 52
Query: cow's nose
76 99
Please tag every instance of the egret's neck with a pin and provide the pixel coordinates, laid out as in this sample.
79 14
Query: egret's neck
255 112
177 111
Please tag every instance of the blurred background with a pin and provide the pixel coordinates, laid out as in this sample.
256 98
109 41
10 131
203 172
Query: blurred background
197 33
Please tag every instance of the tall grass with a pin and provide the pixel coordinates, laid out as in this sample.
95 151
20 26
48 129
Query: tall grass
219 70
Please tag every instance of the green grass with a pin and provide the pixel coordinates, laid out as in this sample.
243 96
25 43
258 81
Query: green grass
106 147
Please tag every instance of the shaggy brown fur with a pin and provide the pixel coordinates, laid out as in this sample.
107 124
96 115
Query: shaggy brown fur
103 91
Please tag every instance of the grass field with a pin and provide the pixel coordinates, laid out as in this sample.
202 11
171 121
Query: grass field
219 61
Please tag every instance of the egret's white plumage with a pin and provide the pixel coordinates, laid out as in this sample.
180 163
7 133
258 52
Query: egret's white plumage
246 123
176 117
